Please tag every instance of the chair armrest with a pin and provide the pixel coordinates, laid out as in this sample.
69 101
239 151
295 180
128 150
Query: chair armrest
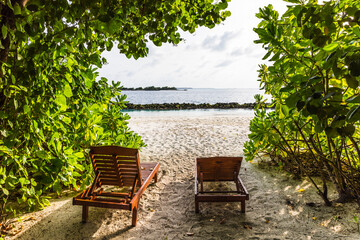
136 198
242 186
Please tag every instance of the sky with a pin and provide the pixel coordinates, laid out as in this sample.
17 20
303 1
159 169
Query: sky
222 57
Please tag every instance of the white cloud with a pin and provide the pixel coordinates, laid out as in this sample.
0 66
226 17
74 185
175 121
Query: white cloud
224 56
219 43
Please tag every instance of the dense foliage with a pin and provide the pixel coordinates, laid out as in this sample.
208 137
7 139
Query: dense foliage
313 78
53 105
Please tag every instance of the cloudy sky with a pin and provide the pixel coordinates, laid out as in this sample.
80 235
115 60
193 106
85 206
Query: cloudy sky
222 57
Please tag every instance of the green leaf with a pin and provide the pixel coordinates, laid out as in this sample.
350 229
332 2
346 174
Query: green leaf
8 2
283 111
4 149
57 187
17 9
292 1
67 120
68 77
331 132
349 130
356 30
15 103
354 116
79 155
79 167
300 105
67 91
355 99
292 100
23 181
41 154
331 47
4 31
61 101
320 40
352 82
5 191
267 55
354 68
33 182
26 109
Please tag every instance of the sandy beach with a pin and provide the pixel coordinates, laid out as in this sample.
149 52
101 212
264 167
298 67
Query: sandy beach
276 209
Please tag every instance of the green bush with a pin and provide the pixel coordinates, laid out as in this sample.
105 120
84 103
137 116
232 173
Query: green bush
314 83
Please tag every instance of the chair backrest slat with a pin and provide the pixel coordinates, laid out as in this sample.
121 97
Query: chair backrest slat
116 165
218 168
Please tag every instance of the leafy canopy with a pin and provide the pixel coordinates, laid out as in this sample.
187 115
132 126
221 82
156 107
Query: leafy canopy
53 104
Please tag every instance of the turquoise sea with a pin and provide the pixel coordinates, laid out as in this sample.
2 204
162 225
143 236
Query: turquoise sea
193 95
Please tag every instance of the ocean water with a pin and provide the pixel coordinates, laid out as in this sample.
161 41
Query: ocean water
194 95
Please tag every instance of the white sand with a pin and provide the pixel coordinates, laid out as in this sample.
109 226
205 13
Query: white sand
276 209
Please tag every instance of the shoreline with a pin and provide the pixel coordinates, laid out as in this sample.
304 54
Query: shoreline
187 106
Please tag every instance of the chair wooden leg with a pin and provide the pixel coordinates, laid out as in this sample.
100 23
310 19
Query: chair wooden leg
243 206
156 177
85 213
134 217
197 209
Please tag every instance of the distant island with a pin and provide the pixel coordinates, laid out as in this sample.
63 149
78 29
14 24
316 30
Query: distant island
151 88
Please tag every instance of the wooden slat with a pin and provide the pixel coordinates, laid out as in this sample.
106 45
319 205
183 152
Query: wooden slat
109 179
105 169
130 171
126 173
103 161
106 165
126 158
108 174
102 204
221 198
126 165
111 183
113 194
127 170
218 168
117 150
209 192
107 158
111 200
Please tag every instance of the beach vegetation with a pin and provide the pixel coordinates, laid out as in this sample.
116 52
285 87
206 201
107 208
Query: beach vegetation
356 220
312 74
54 104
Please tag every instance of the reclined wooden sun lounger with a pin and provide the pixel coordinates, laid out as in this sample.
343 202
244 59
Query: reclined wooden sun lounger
219 169
117 166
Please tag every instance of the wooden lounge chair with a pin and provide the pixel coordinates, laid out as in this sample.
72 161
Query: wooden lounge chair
117 166
219 169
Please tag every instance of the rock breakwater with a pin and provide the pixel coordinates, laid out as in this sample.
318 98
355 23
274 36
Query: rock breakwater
181 106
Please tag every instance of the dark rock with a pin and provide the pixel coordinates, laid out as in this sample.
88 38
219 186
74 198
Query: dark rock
178 106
